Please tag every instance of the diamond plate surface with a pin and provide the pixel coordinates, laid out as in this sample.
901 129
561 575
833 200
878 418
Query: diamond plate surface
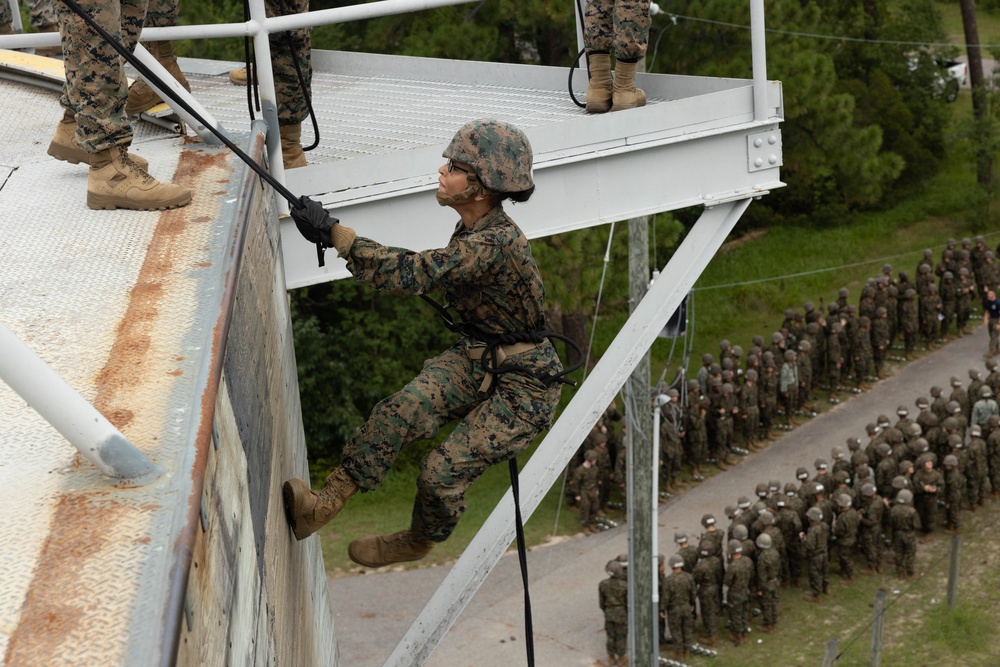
122 305
375 115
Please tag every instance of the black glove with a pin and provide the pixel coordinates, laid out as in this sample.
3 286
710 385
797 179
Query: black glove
314 223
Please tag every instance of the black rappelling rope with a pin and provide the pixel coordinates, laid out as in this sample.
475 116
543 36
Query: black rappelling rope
576 62
253 102
148 74
522 558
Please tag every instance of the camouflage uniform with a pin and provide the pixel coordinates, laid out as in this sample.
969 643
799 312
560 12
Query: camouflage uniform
613 599
845 530
954 490
708 581
286 49
769 585
96 87
677 602
490 279
587 480
905 522
6 17
927 486
42 14
620 27
737 581
870 536
817 541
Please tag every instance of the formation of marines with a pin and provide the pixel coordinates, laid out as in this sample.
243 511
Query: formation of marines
864 509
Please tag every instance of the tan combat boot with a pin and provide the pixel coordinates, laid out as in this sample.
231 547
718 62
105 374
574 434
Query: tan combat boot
291 146
626 95
239 76
63 145
379 550
140 96
599 88
115 181
307 511
6 29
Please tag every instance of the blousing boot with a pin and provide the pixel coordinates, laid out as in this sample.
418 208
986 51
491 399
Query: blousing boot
599 89
291 146
63 145
116 181
626 95
307 511
379 550
140 96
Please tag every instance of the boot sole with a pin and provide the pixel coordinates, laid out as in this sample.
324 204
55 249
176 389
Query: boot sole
111 203
288 500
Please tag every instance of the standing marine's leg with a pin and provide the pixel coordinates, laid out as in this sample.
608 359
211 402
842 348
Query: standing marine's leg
287 49
598 26
160 14
631 26
96 91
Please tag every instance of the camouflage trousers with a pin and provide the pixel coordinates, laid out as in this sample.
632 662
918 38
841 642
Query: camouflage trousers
904 546
681 625
870 543
620 27
41 13
739 612
286 48
617 636
769 604
96 87
489 431
708 602
819 573
589 503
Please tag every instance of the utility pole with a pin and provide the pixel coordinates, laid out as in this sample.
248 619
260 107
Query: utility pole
643 644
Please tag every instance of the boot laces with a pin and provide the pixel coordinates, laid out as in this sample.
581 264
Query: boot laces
127 161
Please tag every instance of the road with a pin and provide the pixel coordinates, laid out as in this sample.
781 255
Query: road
375 610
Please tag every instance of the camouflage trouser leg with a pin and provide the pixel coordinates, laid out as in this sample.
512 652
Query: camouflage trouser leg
291 96
6 16
617 26
446 389
617 637
871 547
588 507
817 573
42 14
846 559
769 607
738 610
904 544
681 629
96 87
708 602
161 13
994 337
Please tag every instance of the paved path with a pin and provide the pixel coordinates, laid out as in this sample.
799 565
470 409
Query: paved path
375 610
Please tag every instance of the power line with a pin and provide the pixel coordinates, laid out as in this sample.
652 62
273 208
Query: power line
835 38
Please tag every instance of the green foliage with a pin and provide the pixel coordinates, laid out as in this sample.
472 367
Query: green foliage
355 346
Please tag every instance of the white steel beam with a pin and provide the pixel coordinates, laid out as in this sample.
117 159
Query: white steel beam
555 451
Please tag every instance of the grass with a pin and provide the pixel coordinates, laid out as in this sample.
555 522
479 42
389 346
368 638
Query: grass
987 22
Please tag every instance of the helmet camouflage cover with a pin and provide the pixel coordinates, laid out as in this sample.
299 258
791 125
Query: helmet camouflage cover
499 152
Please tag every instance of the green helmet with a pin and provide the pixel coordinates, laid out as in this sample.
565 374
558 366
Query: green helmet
499 152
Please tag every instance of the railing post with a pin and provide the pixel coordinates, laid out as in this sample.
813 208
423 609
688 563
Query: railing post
268 99
759 53
956 544
878 623
79 422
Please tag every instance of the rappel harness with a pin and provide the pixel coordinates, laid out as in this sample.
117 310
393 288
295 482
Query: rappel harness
500 346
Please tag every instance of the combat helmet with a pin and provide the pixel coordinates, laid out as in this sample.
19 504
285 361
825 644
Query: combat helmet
499 153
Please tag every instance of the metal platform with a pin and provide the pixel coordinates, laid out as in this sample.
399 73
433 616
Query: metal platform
385 120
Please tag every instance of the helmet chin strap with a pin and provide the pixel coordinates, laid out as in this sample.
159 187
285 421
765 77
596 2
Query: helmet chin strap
475 189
